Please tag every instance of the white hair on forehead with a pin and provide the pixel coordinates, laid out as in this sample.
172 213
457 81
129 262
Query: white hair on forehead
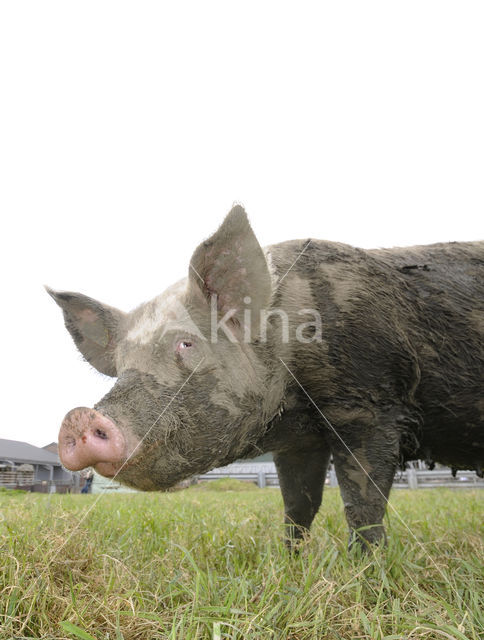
165 313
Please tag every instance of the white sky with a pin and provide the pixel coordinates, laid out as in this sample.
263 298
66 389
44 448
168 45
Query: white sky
128 129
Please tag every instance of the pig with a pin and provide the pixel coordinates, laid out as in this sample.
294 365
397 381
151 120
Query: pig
307 349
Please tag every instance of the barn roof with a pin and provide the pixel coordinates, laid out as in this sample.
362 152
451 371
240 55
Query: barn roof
53 447
16 451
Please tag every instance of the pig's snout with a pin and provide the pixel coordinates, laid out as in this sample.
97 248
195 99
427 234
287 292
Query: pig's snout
87 438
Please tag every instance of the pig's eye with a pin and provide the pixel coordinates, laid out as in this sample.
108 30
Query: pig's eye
183 344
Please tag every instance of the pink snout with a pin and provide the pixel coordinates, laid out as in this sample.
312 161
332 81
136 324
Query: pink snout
87 438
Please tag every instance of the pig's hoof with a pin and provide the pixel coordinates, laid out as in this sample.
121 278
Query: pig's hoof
297 539
364 538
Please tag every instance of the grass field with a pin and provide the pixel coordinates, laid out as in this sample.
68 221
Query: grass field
209 563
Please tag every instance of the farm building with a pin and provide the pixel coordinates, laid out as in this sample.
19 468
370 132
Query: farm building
24 466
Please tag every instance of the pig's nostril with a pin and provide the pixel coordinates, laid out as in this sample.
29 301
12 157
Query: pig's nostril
70 442
100 433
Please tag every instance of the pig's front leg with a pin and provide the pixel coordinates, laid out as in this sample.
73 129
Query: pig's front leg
365 467
302 472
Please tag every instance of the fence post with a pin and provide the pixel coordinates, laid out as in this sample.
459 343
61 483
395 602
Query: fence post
412 478
333 480
261 479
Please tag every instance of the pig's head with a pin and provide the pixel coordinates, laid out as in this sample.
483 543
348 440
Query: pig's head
189 395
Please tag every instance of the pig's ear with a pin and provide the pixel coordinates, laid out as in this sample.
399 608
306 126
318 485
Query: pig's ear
94 327
232 265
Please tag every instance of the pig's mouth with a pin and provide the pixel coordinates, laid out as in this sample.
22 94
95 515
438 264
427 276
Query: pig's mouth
108 469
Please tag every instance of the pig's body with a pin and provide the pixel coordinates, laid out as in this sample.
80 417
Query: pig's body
392 370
